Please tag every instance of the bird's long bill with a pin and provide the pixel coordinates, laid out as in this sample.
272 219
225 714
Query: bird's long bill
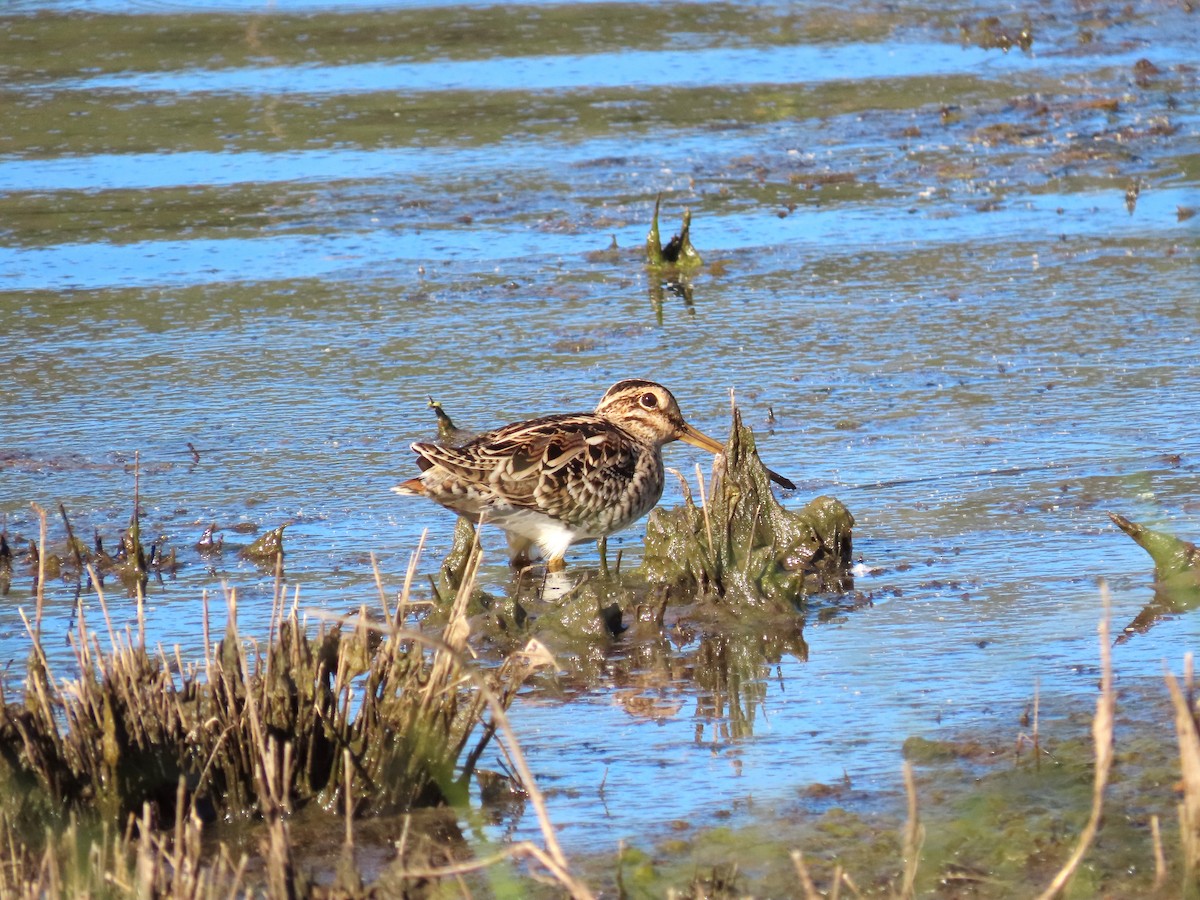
704 442
700 439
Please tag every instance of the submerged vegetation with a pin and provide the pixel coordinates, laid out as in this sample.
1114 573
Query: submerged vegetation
132 563
678 254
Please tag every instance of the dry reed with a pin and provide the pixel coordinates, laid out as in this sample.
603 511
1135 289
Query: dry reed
360 718
914 837
1102 737
1187 732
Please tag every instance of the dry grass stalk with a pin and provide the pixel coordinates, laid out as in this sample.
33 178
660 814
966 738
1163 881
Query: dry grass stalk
1102 737
840 877
849 882
1187 732
403 604
554 860
409 574
41 576
712 549
1033 737
1160 858
914 836
806 882
256 733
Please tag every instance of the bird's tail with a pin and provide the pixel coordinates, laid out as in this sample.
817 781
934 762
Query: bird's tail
414 487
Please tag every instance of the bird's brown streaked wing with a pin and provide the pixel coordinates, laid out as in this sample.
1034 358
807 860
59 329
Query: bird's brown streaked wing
522 462
479 457
591 480
519 462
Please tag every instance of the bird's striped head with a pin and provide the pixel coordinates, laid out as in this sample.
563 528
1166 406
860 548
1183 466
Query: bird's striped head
648 411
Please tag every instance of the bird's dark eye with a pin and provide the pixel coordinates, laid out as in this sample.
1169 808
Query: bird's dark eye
649 401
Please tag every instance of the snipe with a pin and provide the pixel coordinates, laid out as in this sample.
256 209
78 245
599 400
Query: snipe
558 480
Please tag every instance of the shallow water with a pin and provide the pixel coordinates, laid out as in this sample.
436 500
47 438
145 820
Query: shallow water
272 233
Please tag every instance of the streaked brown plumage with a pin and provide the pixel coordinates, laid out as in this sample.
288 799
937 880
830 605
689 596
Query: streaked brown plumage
558 480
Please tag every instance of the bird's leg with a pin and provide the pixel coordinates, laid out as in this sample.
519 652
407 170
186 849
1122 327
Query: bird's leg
518 552
602 546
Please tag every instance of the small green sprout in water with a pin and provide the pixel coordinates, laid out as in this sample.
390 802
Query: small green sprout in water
679 252
447 431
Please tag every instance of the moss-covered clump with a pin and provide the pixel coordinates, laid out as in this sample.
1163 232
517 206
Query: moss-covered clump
678 254
744 548
267 549
1176 575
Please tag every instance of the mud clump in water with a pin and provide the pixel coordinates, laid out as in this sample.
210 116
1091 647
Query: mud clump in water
1176 575
267 548
990 33
744 548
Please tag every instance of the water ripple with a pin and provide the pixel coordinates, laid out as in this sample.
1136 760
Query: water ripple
793 64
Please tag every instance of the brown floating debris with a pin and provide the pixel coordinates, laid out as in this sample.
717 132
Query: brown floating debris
209 542
1131 195
1145 71
990 33
5 563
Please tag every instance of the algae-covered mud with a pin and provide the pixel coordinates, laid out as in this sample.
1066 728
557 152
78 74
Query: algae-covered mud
742 549
1176 574
945 257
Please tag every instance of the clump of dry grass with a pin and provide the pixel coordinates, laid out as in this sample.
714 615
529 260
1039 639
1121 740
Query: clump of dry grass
143 860
134 722
364 717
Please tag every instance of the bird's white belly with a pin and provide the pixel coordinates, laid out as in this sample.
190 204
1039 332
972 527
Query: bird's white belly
552 536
